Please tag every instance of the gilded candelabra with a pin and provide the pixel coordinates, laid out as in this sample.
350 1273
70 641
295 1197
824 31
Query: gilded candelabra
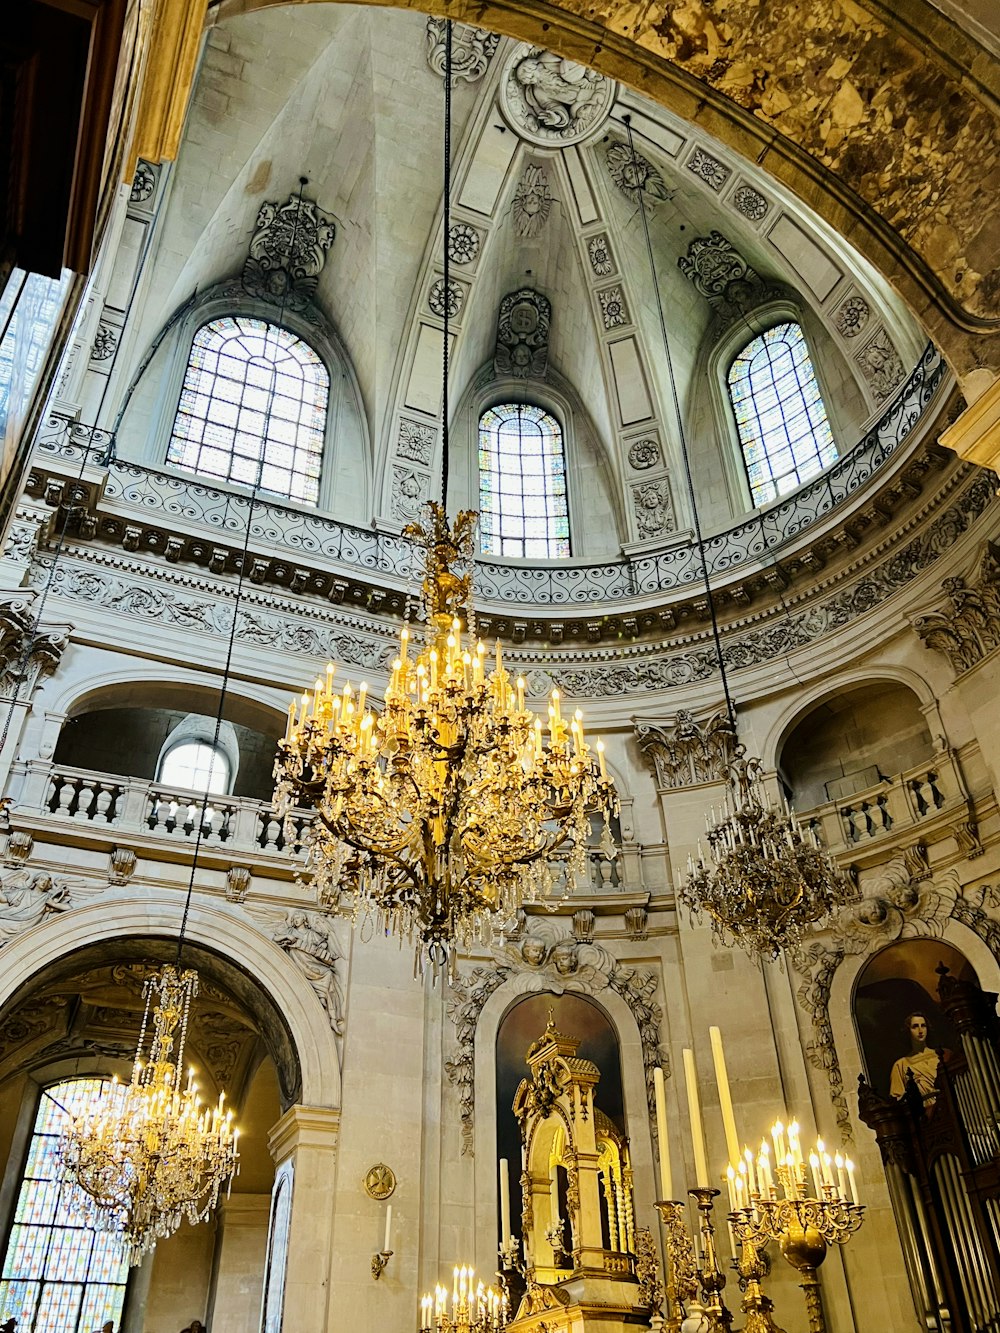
804 1225
474 1308
694 1279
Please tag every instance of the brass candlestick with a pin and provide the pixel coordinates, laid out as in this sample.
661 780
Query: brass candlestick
751 1268
694 1290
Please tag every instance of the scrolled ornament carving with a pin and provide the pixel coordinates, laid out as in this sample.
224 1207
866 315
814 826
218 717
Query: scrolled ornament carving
550 101
287 252
522 347
472 49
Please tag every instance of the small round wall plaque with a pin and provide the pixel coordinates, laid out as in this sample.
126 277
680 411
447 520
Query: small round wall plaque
380 1181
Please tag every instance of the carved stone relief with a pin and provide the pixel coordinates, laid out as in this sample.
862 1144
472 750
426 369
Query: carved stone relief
415 441
26 897
708 169
635 176
26 652
544 959
309 940
287 252
463 243
750 203
599 254
881 365
408 491
522 347
21 543
532 201
723 277
686 752
614 311
121 865
852 316
967 628
643 454
436 298
143 182
551 101
472 49
105 342
653 508
894 907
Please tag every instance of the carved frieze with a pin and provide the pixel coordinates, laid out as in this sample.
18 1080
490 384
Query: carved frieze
522 347
553 102
287 252
543 959
532 203
472 49
686 752
967 627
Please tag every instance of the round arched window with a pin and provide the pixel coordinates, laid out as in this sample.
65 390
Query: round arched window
195 766
523 506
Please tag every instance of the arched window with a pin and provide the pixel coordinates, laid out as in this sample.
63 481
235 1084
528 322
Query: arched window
59 1275
195 766
523 508
784 431
252 389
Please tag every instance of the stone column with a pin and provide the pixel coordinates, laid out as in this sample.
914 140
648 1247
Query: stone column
306 1138
239 1263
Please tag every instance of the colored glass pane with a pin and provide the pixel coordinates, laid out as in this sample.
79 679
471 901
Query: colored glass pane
58 1274
248 387
522 483
782 423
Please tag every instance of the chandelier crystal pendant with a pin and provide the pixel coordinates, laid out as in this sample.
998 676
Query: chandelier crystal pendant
455 804
147 1154
765 877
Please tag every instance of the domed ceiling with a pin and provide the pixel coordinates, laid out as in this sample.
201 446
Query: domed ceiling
544 197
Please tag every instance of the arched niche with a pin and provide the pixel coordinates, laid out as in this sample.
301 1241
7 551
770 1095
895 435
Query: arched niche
852 739
895 983
579 1015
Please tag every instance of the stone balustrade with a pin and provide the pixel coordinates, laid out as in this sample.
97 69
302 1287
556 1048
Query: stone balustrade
901 807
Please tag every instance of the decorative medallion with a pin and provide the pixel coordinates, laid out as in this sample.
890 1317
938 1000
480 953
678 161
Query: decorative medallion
852 316
636 177
472 49
708 169
643 454
380 1181
522 347
287 252
614 311
143 183
532 201
435 298
415 441
105 343
463 243
550 101
599 254
747 201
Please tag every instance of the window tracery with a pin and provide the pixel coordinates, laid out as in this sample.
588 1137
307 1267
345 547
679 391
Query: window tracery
523 504
253 408
783 427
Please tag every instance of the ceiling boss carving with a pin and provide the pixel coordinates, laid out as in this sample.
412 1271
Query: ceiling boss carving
550 101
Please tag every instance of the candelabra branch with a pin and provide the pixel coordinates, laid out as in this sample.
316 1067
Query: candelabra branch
379 1262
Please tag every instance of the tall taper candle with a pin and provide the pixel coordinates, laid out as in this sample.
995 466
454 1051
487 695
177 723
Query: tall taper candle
666 1179
505 1201
388 1227
694 1112
725 1098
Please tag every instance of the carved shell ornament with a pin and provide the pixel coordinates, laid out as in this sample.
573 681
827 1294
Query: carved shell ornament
553 102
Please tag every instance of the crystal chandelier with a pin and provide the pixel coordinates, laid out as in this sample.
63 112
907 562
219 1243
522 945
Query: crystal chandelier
450 807
474 1308
146 1154
454 804
765 878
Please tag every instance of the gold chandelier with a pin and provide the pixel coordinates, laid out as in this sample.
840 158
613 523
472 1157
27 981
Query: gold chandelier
765 878
144 1155
454 804
474 1308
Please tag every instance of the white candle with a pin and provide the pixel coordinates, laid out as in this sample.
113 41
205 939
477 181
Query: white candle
725 1098
852 1183
505 1201
694 1113
666 1180
388 1227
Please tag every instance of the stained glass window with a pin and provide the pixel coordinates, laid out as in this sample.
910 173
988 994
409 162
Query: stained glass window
253 408
59 1275
784 431
523 509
